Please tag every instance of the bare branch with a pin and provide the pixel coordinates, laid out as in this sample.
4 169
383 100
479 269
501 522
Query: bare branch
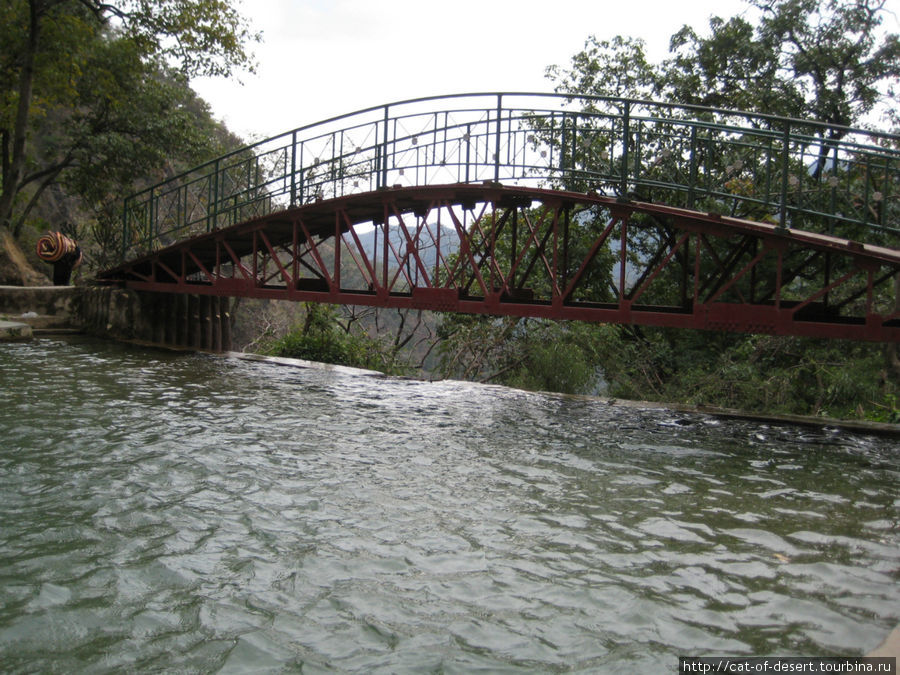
101 10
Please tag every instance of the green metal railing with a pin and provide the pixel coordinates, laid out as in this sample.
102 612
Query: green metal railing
794 173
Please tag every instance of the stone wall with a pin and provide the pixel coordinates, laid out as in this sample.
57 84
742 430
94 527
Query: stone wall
41 300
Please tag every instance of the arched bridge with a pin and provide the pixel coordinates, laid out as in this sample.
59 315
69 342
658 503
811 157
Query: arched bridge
544 205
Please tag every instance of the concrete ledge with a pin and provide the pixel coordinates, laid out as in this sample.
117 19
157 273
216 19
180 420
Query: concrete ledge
41 322
11 331
301 363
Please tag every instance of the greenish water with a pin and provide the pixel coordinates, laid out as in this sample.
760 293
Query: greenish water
188 513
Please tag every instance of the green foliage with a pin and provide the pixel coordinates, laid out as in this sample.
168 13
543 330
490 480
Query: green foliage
202 37
322 338
732 68
95 97
616 67
557 357
530 354
825 60
749 372
759 373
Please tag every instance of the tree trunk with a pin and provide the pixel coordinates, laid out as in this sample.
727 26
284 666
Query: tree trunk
14 267
20 220
14 165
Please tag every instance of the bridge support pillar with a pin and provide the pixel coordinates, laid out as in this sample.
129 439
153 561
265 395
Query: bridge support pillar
177 320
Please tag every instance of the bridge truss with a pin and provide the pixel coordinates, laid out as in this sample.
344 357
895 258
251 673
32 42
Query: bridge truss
502 250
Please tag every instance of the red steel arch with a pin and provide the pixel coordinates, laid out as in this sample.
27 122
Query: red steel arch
525 251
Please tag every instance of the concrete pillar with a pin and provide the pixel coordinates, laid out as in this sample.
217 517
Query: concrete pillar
182 302
194 335
157 302
205 323
226 324
217 324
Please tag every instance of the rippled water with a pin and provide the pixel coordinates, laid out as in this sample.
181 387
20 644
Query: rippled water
194 514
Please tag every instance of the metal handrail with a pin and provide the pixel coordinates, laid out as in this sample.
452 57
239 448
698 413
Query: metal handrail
796 173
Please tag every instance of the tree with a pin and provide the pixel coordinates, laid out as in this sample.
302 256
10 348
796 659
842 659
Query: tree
533 354
616 67
824 60
101 86
321 337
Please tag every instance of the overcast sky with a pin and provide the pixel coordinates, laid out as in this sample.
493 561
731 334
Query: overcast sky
320 58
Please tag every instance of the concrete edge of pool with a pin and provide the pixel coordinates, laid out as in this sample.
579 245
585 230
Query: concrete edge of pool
13 331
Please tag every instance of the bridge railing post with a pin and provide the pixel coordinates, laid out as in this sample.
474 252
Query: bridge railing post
574 145
497 140
692 176
833 192
152 214
212 207
467 137
563 154
384 151
626 133
301 189
785 165
125 217
294 168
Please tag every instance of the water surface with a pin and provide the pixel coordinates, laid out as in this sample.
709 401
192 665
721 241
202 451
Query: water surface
192 513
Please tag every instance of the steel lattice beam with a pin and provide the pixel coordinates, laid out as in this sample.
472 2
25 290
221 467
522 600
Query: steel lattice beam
518 251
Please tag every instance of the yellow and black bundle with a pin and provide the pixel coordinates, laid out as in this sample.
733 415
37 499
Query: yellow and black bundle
55 246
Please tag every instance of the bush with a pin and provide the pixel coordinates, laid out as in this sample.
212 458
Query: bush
322 338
